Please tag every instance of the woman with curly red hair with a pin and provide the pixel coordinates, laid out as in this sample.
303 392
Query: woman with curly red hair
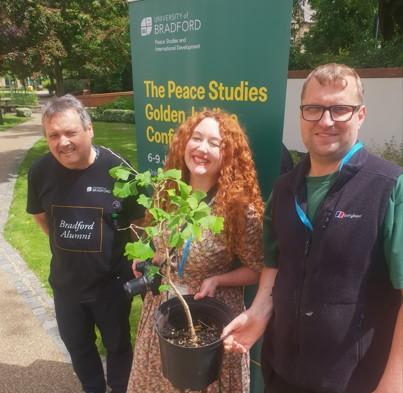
211 149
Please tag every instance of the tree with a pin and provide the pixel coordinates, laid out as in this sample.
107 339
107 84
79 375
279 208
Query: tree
176 213
358 33
75 38
297 20
391 19
20 29
340 24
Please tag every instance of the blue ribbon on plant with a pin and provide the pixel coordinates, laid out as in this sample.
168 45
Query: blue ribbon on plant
185 253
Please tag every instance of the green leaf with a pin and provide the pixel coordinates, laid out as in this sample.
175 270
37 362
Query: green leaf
175 240
120 172
173 222
216 224
176 200
174 174
199 195
151 231
187 232
139 250
202 210
160 176
133 187
196 231
144 201
193 202
122 190
144 179
158 213
152 271
184 189
164 287
171 192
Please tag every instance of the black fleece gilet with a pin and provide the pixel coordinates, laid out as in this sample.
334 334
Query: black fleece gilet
334 305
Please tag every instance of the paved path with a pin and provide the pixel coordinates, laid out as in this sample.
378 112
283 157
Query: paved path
32 356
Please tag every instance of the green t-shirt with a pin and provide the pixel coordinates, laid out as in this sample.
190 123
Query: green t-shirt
317 188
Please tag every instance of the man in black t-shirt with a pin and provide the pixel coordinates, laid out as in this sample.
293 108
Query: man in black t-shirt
70 197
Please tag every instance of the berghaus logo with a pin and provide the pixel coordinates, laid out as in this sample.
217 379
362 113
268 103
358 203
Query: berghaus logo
340 214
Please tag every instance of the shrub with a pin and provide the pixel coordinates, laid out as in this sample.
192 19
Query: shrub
112 115
125 102
391 151
21 97
119 111
95 113
119 115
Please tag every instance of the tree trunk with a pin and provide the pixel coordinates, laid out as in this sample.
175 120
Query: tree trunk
192 332
58 78
390 18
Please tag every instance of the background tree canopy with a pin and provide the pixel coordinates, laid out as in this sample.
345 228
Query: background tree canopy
71 40
80 39
359 33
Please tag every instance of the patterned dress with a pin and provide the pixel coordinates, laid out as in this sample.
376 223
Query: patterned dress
207 257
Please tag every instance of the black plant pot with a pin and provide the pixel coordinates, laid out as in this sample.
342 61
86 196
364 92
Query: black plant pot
191 368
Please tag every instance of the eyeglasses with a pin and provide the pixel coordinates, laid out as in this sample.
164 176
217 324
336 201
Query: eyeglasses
337 112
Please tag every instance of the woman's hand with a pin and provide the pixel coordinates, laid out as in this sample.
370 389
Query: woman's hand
207 288
158 258
136 273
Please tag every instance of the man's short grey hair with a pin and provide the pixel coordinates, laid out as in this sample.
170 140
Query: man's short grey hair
63 104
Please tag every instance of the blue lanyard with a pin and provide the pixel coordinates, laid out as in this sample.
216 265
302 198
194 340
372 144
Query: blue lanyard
348 156
302 216
185 253
300 212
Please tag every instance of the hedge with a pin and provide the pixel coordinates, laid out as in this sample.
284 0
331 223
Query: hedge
112 115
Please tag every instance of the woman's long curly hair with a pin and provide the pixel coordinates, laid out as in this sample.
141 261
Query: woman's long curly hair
237 186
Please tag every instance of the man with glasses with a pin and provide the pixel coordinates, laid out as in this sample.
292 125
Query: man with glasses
330 297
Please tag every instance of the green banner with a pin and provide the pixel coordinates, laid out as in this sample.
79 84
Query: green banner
190 54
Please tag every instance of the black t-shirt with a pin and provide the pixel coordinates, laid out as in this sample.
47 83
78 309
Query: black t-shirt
83 218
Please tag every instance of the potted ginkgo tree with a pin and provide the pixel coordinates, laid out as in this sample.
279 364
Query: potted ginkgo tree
189 330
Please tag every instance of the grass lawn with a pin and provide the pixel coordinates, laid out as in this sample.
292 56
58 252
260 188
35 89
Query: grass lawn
20 229
10 120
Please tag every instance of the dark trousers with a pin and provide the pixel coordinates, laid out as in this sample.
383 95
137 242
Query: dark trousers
274 383
76 322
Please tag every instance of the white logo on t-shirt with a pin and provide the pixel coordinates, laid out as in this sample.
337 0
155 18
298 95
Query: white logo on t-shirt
98 189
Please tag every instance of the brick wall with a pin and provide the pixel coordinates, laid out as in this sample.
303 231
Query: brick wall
393 72
91 100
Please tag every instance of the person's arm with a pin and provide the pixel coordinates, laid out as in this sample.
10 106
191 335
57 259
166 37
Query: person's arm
392 378
248 327
237 277
250 254
42 222
393 235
